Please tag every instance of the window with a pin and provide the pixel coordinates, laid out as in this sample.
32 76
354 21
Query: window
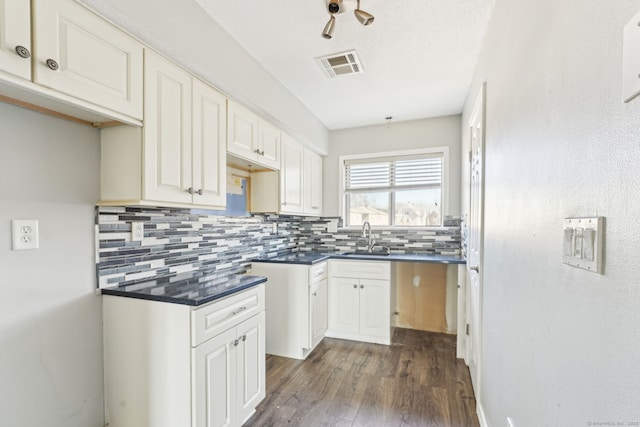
405 189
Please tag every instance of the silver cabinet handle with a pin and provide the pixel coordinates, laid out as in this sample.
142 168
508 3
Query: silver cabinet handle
52 64
23 52
240 310
475 268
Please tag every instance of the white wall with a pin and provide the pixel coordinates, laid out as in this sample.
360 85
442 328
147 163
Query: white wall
560 344
50 317
436 132
182 31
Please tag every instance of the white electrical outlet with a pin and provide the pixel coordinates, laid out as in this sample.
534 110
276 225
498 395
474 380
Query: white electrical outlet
137 231
25 234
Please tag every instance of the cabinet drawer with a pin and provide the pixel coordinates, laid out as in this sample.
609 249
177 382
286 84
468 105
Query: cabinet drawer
360 269
318 272
219 316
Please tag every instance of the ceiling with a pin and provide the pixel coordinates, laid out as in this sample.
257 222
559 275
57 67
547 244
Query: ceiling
418 56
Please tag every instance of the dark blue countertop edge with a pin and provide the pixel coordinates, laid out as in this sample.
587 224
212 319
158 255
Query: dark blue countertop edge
246 282
313 258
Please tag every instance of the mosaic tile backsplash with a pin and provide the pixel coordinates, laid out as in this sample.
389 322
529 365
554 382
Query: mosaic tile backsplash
184 241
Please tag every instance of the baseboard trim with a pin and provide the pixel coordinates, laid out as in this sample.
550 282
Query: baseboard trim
482 419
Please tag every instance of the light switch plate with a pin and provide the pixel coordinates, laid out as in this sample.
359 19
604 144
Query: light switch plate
583 243
631 59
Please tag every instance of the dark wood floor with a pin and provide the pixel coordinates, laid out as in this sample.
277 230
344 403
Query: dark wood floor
417 381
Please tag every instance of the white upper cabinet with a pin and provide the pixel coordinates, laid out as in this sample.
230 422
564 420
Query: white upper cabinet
167 131
79 54
209 149
252 138
15 38
291 176
179 157
312 183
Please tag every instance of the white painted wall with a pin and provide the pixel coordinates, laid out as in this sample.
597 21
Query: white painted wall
183 32
560 344
436 132
50 318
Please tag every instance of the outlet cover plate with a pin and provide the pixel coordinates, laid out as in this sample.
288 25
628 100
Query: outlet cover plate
25 234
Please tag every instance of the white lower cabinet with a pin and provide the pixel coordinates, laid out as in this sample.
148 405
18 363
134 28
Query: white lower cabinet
296 307
229 369
169 365
360 301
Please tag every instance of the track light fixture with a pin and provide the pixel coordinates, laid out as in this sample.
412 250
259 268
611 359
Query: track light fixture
327 33
363 17
333 7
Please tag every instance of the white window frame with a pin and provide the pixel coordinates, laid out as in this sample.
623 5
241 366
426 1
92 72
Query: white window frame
444 150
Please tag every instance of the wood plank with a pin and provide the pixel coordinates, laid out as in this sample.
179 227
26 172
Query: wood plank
416 381
422 307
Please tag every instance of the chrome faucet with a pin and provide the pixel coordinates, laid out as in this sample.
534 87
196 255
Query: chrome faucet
366 233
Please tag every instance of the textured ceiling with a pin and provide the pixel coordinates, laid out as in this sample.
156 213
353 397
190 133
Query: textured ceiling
418 56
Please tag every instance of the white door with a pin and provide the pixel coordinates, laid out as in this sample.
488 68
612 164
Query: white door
80 54
374 307
214 380
474 302
209 145
15 37
291 176
251 368
167 131
344 301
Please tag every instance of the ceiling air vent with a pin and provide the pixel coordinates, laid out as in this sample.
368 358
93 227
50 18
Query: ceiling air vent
341 64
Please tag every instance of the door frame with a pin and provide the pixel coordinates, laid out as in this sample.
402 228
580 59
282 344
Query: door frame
477 118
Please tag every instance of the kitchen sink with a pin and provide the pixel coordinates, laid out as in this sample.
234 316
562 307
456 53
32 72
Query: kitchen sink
361 253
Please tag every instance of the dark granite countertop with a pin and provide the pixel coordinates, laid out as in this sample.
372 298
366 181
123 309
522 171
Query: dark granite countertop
186 289
311 258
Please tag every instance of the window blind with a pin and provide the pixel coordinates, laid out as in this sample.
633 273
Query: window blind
393 173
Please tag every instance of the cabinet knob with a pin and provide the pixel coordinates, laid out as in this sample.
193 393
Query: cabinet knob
23 52
236 342
361 286
261 153
244 338
315 294
200 192
256 151
355 286
52 64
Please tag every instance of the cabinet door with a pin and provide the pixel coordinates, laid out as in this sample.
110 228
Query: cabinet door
96 61
214 378
344 305
242 127
291 176
15 30
318 312
268 144
251 366
312 186
167 131
374 307
209 145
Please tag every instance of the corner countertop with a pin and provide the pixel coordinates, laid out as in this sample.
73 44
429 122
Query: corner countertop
310 258
187 289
